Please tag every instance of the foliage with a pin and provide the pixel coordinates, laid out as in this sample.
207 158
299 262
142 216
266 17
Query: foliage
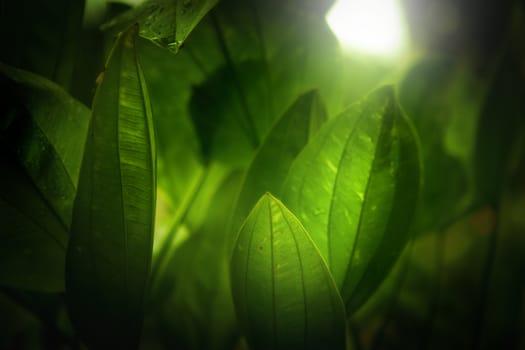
240 182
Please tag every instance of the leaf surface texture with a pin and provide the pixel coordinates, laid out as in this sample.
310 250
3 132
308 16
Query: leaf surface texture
109 254
284 295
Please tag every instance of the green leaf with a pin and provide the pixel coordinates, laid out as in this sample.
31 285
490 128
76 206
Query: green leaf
500 124
257 57
223 120
283 293
442 98
33 238
354 187
41 36
42 132
109 253
166 23
46 129
284 142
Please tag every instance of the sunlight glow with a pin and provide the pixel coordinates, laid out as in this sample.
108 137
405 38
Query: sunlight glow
373 26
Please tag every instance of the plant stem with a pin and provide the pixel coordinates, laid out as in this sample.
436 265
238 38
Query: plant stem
394 299
180 217
428 328
481 312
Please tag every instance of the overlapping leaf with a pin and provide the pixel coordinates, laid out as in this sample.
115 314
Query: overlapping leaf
256 69
283 293
46 129
354 187
33 238
442 99
284 141
109 253
501 121
42 132
167 23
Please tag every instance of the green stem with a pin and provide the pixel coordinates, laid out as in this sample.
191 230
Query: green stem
180 217
379 337
354 336
428 328
488 266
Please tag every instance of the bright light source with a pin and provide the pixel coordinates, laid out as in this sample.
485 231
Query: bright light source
372 26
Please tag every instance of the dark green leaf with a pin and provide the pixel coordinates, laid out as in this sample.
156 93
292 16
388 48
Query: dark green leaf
109 253
258 57
442 98
43 131
500 123
284 295
272 161
354 187
33 239
222 117
167 23
46 130
41 36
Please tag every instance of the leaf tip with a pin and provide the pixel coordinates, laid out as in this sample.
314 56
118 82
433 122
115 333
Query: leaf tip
130 36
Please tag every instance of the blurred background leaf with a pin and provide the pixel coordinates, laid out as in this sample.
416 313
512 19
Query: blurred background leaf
45 128
166 23
443 98
42 37
42 133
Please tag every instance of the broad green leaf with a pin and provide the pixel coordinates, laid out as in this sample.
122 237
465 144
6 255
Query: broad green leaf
46 129
257 57
354 187
41 36
166 23
272 161
34 241
223 119
284 295
109 252
42 132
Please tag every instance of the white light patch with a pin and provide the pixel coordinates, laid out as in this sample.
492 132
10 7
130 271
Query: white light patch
372 26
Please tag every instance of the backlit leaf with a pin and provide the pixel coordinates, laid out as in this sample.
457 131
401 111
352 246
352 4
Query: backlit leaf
109 253
283 293
354 187
285 140
257 58
167 23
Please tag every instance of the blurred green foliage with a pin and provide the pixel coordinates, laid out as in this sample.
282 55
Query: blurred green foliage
216 104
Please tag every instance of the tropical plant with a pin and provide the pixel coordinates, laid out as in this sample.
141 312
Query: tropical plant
239 181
